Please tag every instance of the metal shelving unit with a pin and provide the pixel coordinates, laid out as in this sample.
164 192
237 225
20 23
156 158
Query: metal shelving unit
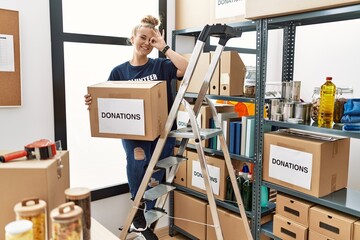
344 200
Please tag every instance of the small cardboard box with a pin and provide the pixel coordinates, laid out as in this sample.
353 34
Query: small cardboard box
217 171
128 109
255 9
189 212
356 230
232 74
320 161
21 179
232 225
293 208
317 236
180 176
331 223
287 229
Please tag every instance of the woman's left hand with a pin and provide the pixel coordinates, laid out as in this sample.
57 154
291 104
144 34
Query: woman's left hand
157 41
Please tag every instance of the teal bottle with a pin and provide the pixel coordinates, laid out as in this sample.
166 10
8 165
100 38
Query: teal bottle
264 196
247 193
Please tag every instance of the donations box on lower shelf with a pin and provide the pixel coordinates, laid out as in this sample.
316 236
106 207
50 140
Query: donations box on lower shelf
217 173
22 179
128 109
314 164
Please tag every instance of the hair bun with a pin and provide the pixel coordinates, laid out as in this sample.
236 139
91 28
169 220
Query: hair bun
151 20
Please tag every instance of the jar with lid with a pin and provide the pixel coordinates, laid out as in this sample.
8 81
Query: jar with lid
250 82
19 230
66 222
34 210
82 198
342 95
315 104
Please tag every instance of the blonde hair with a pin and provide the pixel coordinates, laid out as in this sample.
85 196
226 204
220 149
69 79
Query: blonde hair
147 21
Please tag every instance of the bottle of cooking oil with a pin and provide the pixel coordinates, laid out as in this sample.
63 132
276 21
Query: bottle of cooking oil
327 101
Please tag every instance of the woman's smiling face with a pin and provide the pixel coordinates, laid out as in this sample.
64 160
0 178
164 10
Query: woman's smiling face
141 40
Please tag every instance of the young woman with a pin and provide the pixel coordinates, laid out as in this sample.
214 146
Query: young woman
145 37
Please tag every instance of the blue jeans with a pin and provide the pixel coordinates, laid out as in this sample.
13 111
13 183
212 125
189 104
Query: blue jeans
138 155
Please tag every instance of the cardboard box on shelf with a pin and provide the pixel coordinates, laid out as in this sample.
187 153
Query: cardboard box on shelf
188 14
285 228
256 9
320 161
293 208
21 179
199 73
217 171
180 176
227 11
313 235
356 230
331 223
189 212
232 74
231 223
128 109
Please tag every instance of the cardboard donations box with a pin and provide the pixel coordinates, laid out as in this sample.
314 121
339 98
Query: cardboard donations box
128 109
320 161
22 179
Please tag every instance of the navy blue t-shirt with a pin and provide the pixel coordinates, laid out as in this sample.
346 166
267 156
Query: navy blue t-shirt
158 69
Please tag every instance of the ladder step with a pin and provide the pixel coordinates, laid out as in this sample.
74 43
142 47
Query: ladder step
205 133
170 161
158 191
152 216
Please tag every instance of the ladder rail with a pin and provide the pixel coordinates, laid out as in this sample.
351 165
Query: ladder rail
205 171
230 169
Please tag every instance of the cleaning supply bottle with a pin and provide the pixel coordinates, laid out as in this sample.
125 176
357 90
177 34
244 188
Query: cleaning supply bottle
264 196
229 196
247 192
240 181
327 102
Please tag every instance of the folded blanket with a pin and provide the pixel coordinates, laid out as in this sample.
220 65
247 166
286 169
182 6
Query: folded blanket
352 107
350 119
351 127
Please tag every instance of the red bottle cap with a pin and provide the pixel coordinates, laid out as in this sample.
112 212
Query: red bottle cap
328 78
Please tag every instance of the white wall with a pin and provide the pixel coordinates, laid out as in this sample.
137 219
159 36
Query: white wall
34 119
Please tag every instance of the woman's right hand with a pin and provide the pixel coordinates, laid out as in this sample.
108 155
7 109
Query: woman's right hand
88 100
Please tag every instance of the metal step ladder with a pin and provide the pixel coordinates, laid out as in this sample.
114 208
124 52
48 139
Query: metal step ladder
192 131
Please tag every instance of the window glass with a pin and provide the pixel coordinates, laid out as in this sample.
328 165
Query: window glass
95 162
107 18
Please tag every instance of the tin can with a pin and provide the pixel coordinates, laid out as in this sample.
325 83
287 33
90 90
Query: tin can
295 91
288 111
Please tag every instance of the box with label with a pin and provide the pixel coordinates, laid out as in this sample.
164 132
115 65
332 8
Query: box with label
232 74
232 225
331 223
180 176
285 228
255 9
189 212
20 179
320 161
317 236
356 230
217 173
227 11
293 208
128 109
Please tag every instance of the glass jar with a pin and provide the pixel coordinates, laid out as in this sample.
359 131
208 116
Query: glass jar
34 210
66 222
19 230
342 95
315 104
250 82
81 197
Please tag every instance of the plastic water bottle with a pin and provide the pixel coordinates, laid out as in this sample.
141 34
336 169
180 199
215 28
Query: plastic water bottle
327 102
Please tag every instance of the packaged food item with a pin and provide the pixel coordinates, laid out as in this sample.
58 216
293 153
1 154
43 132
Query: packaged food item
342 95
250 82
315 104
82 198
19 230
66 222
34 210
